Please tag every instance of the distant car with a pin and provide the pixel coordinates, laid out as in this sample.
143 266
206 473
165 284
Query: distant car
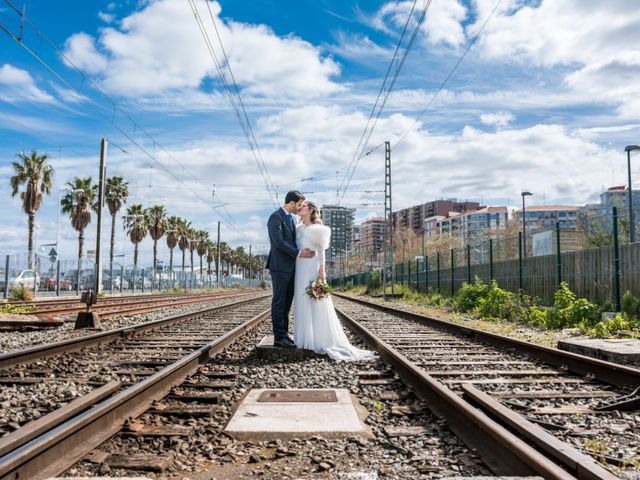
64 284
26 278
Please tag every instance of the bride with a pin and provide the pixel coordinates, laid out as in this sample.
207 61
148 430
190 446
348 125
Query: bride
316 325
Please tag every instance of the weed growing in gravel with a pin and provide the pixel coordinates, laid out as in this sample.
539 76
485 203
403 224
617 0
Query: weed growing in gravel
597 448
21 293
9 309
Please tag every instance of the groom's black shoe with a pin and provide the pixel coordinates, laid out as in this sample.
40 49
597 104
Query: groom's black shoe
284 343
289 339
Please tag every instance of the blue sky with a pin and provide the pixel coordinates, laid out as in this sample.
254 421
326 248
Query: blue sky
545 101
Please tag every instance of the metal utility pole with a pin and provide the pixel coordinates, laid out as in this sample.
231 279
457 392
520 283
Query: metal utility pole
632 225
218 258
250 267
103 159
388 231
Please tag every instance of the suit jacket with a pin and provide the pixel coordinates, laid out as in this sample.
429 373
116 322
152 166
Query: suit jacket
282 236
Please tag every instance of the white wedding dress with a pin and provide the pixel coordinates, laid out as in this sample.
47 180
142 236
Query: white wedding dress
316 326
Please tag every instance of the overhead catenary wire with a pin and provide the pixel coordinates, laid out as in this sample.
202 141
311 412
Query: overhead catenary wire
109 116
236 104
448 77
384 92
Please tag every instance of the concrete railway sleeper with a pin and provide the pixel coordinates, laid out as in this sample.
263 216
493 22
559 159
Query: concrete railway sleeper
547 397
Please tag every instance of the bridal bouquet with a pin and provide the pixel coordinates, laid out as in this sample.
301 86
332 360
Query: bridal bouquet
318 289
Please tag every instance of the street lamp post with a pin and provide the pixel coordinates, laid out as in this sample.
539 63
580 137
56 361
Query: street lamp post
632 226
404 247
524 225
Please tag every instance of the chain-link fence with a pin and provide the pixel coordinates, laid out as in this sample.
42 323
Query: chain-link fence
596 260
52 276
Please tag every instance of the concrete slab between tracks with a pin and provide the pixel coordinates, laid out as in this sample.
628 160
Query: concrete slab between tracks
266 414
266 350
623 351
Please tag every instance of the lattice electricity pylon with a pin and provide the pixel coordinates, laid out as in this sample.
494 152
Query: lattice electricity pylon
387 270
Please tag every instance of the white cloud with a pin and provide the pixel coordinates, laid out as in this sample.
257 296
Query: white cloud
106 17
80 49
442 23
160 48
501 119
17 85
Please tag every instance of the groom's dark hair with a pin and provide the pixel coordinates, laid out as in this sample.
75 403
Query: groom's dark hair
293 196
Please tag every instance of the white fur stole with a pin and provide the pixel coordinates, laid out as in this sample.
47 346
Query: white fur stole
319 235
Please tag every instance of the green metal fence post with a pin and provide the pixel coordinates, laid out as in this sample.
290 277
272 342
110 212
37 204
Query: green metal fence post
616 259
452 284
426 274
468 263
417 276
558 255
438 270
520 260
491 260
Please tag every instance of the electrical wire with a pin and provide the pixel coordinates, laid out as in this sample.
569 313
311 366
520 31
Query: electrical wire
385 92
451 72
237 105
229 220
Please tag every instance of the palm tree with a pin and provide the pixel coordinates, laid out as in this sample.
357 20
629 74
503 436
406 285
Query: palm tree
193 236
156 217
37 176
78 203
211 255
202 237
116 193
137 228
183 239
172 237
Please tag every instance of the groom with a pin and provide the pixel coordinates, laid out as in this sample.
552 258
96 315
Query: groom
282 265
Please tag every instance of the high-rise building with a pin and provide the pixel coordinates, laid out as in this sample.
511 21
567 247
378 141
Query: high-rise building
341 220
414 217
371 237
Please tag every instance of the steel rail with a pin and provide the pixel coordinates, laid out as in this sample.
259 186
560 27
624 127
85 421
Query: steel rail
607 372
57 450
114 309
503 452
75 300
18 357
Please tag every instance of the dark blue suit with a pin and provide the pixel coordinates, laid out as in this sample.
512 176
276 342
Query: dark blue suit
282 266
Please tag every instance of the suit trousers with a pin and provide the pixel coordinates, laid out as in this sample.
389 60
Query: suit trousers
283 286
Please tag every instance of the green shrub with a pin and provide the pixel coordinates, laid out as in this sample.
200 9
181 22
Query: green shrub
619 323
569 311
498 303
21 293
538 316
348 285
630 305
263 285
374 282
469 294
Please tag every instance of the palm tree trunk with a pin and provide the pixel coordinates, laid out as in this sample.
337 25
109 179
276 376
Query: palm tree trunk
32 224
191 251
135 256
155 255
171 260
113 241
200 265
80 245
183 260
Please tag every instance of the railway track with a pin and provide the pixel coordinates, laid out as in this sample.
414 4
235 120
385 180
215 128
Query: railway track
111 307
138 364
495 392
523 409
